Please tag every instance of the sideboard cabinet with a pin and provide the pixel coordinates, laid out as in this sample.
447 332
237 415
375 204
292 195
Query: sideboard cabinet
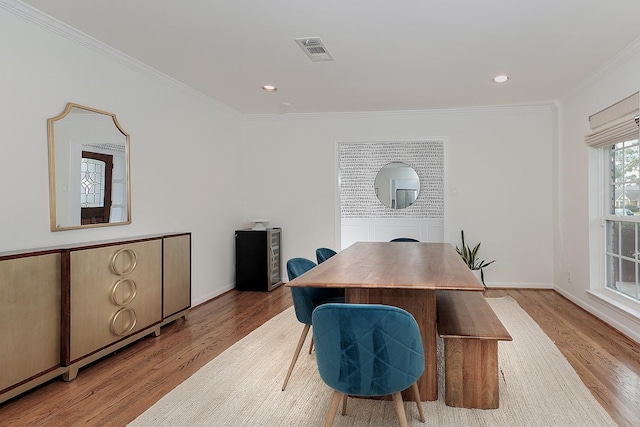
64 308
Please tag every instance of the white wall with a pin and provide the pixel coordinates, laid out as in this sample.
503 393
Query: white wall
499 160
185 149
578 265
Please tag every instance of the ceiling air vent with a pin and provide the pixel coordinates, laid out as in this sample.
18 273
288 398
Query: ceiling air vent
314 48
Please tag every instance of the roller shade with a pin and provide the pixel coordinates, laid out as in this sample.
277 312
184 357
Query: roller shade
617 123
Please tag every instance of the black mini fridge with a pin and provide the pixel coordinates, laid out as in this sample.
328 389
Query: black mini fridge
258 259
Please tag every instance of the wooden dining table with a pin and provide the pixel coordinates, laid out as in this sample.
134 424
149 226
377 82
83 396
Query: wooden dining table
402 274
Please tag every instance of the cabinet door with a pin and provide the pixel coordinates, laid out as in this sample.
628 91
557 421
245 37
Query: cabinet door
29 317
177 274
252 260
115 291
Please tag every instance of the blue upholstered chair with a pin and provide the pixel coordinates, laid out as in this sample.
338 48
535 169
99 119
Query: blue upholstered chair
323 254
404 239
368 350
305 300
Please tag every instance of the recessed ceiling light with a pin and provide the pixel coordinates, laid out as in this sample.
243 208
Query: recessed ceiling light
501 78
269 88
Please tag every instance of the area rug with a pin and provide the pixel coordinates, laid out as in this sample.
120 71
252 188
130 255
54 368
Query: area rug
242 386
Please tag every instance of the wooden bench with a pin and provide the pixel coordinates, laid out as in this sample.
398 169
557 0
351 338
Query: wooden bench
471 331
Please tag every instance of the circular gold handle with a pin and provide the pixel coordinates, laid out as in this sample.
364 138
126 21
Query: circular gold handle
133 291
130 268
129 327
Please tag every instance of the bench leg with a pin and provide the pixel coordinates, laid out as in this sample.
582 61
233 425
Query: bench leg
471 373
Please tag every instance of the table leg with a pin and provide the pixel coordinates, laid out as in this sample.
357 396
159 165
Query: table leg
421 303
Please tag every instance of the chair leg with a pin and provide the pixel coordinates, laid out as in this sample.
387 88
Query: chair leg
305 331
311 346
416 397
333 408
402 416
344 404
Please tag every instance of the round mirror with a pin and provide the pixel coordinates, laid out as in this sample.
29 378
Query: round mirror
397 185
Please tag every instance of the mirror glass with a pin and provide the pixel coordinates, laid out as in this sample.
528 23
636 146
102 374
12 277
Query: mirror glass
89 183
397 185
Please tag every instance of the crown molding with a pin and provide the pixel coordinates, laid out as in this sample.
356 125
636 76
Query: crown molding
58 27
487 109
618 60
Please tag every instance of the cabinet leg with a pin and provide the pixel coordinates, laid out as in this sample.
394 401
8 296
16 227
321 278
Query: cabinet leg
71 374
185 315
156 331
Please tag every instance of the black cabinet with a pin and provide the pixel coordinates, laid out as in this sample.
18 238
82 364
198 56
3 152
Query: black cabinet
258 259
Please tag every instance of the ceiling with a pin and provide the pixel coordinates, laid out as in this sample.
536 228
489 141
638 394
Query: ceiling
388 55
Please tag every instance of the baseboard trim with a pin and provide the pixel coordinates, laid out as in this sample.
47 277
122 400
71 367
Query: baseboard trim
519 285
620 327
212 295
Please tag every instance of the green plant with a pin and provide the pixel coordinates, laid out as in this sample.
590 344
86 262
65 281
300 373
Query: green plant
470 257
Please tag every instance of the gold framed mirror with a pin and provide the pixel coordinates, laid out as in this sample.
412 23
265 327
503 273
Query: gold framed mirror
89 175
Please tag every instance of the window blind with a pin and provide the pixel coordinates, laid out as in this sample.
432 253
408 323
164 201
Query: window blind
614 124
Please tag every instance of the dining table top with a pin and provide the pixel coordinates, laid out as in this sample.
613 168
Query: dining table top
398 265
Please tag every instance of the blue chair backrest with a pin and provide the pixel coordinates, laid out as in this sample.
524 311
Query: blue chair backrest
298 266
367 349
323 254
306 299
404 239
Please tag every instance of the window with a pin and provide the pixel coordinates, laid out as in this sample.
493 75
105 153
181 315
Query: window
614 130
622 226
92 183
95 184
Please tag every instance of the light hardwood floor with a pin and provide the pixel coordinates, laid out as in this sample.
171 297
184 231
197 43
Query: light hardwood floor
116 389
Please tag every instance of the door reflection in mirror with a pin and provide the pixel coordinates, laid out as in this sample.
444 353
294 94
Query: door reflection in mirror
397 185
95 187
